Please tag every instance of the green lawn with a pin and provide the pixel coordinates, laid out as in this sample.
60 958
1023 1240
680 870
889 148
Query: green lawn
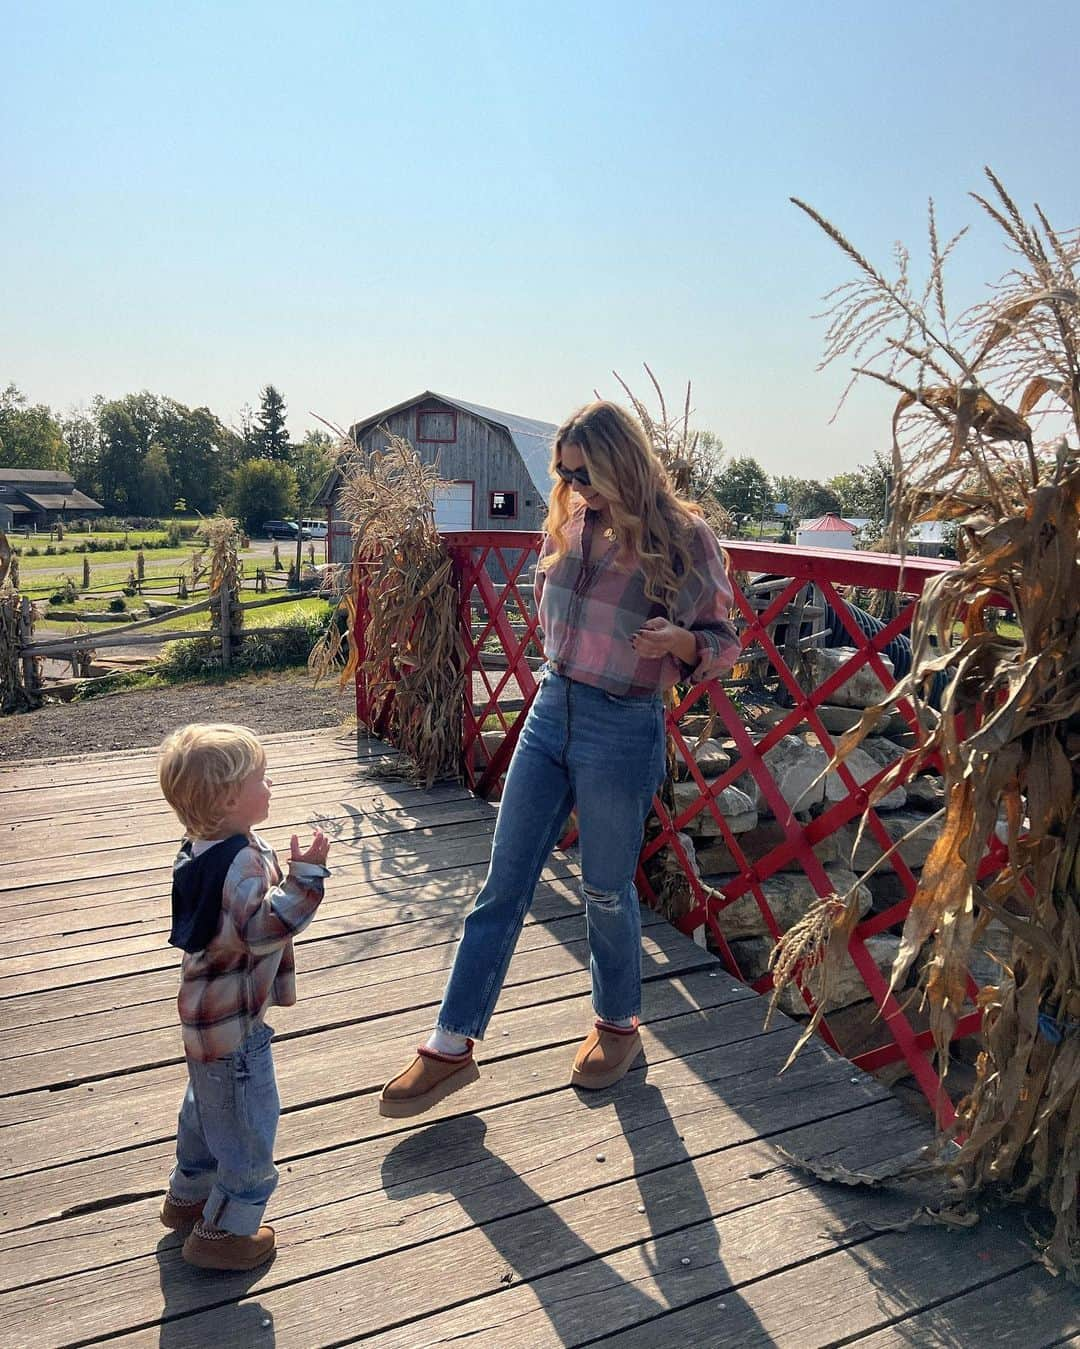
272 616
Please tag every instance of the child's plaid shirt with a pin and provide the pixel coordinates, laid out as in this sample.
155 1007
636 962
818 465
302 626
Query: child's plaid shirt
588 614
248 966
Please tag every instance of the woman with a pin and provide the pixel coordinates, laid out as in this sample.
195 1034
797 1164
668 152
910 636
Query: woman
632 596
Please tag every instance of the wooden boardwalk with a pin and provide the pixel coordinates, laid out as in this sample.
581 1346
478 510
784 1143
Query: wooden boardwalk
519 1213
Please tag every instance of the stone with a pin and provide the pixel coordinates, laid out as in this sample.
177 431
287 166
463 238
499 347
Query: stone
883 752
757 843
914 850
788 896
847 987
797 767
989 951
711 758
738 810
862 689
926 793
837 720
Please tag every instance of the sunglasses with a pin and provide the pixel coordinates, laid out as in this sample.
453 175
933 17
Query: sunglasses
571 475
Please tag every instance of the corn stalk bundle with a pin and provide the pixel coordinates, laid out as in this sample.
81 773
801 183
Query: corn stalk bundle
226 570
986 434
413 657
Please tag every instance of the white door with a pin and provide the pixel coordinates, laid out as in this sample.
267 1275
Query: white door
453 507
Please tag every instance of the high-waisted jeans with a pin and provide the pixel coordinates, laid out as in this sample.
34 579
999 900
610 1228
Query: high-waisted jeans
579 746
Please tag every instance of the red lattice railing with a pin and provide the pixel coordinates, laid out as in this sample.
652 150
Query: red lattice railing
499 629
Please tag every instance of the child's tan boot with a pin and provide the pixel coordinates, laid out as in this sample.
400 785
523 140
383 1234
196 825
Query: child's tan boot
180 1215
210 1248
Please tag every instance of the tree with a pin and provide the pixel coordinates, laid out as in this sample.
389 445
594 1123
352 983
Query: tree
129 426
312 460
806 497
83 441
269 437
743 487
866 490
262 490
30 437
157 490
194 441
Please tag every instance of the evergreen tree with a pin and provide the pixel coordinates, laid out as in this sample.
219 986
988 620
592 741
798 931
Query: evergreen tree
269 437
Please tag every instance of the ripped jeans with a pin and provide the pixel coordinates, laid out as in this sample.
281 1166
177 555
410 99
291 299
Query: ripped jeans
579 746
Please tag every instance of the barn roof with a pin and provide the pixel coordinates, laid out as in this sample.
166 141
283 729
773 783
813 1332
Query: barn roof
531 438
828 524
58 501
41 476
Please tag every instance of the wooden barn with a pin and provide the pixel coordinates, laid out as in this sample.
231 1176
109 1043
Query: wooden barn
495 464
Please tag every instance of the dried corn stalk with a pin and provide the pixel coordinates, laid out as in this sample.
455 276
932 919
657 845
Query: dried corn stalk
412 658
226 571
986 434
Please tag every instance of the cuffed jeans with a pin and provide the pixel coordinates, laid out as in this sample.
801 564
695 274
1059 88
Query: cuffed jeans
225 1137
585 747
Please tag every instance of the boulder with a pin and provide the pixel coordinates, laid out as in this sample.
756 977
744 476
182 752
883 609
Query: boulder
797 768
897 823
847 985
710 756
788 895
738 810
926 793
837 720
756 843
862 689
884 752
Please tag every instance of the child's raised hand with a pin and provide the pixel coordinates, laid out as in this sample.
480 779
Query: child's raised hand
316 851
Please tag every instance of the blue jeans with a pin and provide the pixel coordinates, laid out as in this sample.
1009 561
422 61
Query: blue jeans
579 746
225 1136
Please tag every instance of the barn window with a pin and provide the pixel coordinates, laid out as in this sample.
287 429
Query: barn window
436 424
503 505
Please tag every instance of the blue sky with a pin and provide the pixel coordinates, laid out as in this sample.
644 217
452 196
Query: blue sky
503 202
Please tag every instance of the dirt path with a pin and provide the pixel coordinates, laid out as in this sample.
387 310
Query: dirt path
138 717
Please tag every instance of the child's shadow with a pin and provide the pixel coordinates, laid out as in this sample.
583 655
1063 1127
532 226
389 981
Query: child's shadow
490 1193
185 1291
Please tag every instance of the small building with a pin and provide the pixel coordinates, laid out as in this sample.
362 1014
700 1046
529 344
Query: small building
827 532
495 465
35 498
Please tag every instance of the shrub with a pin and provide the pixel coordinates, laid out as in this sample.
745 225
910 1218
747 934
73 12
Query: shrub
257 651
174 534
32 551
50 551
66 592
117 604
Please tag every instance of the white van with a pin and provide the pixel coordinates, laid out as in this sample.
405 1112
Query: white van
314 529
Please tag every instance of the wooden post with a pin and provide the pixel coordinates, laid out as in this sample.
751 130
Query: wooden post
225 600
26 634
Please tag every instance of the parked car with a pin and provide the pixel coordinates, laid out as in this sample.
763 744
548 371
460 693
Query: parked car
284 529
316 529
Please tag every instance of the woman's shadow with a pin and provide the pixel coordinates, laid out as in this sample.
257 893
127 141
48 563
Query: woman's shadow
452 1158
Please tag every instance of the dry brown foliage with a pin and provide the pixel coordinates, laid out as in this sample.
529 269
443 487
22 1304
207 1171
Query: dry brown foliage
413 656
1007 735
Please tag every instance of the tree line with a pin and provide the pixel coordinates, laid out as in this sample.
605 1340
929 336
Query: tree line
149 455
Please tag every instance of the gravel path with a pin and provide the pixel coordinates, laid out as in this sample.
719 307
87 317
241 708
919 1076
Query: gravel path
139 717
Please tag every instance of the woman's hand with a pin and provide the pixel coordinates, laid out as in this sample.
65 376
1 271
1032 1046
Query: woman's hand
316 851
658 638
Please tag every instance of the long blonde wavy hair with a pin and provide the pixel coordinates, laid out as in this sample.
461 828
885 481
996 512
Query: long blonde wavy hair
651 522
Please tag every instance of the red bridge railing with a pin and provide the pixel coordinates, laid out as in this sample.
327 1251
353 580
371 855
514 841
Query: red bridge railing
499 630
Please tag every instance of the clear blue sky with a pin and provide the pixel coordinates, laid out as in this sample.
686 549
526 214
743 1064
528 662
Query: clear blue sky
501 201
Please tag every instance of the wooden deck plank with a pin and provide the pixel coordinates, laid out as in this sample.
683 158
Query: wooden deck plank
491 1218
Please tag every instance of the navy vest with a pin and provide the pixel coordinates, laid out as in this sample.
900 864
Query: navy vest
196 891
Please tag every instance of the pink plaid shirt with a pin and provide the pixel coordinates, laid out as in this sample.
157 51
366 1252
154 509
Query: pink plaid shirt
588 614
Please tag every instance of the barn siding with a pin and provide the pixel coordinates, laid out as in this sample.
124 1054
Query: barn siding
482 454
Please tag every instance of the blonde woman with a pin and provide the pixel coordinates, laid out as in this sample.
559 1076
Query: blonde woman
632 596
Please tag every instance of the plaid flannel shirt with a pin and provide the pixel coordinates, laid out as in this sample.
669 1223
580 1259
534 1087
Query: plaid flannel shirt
248 966
588 613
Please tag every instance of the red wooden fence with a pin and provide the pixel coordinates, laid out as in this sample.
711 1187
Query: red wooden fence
498 627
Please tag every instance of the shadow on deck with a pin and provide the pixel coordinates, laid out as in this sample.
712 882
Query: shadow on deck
520 1213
